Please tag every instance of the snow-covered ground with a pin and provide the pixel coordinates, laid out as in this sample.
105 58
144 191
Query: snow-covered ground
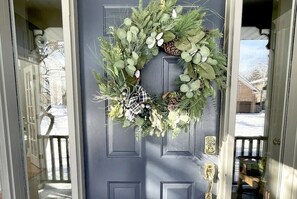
61 121
249 124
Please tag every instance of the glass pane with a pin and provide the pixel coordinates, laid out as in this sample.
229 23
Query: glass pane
252 83
42 96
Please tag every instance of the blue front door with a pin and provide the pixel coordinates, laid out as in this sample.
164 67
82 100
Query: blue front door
117 165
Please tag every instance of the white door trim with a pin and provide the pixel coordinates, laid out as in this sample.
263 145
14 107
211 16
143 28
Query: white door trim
227 130
70 28
11 140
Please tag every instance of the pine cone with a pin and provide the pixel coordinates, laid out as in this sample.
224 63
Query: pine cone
172 103
170 48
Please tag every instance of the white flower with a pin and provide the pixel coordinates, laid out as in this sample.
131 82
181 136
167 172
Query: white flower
160 42
159 36
137 74
174 14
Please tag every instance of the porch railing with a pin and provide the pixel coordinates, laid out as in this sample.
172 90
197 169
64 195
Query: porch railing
57 166
249 147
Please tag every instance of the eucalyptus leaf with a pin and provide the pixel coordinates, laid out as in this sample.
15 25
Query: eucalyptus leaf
119 64
150 40
135 56
190 70
188 59
130 62
165 17
197 37
129 36
130 69
178 9
134 30
127 22
121 33
212 61
184 78
195 85
154 34
151 45
206 71
203 59
197 58
184 88
193 48
204 51
168 36
142 35
141 61
183 44
185 54
189 94
155 51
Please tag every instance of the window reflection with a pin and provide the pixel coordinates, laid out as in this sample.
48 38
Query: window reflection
42 96
252 84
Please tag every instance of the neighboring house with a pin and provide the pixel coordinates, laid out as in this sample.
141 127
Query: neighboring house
246 96
261 85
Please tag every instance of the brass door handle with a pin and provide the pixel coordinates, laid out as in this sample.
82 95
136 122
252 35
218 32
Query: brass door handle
276 141
209 173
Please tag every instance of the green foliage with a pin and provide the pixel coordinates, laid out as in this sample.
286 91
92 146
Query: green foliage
135 43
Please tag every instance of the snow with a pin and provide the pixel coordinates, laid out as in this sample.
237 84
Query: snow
249 124
61 121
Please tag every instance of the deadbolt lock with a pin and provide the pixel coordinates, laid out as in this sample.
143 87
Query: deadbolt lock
210 145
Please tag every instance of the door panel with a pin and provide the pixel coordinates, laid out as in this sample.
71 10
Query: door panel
118 165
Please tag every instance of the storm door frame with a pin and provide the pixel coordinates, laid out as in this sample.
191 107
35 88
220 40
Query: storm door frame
12 153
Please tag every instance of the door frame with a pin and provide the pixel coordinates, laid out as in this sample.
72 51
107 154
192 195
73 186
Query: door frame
12 155
228 113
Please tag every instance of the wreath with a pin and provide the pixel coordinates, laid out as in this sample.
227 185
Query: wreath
160 26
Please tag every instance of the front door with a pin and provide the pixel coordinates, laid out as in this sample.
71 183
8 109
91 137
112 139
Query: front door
117 164
31 104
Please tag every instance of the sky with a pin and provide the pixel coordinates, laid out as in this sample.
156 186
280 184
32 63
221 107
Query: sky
252 54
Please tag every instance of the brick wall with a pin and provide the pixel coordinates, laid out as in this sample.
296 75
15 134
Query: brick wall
245 94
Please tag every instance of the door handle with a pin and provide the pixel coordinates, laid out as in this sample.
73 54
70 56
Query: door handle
276 141
209 173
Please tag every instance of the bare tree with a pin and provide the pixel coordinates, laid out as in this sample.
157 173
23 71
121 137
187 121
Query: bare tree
259 72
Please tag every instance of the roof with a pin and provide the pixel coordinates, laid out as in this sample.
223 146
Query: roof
248 83
259 80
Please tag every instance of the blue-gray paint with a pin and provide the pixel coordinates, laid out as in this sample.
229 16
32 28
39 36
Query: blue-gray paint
116 165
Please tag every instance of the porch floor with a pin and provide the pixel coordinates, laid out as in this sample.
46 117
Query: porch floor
55 190
247 193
